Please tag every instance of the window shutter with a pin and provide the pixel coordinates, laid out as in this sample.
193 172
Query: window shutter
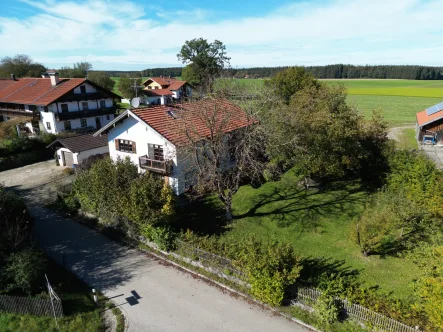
150 151
117 145
134 149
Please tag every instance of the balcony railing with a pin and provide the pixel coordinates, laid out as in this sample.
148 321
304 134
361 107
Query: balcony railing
84 114
159 166
18 112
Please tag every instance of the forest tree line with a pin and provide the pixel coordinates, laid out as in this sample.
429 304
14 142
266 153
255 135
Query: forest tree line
337 71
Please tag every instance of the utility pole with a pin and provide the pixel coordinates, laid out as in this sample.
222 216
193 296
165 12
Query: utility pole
135 86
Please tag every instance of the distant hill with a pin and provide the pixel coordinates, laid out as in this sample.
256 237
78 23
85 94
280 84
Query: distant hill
330 71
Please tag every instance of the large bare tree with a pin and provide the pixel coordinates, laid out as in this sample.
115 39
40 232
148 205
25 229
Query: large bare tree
222 148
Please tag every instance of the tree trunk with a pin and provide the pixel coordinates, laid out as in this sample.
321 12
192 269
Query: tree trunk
228 209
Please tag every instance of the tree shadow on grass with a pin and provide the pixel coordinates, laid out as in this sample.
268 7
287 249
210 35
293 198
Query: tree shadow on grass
287 205
204 216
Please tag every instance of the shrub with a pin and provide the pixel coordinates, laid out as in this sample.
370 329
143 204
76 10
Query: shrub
271 267
24 270
326 309
15 223
163 237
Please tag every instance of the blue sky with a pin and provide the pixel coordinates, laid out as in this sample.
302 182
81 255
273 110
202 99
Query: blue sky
138 34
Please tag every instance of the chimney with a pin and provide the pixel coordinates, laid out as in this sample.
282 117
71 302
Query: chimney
53 75
13 77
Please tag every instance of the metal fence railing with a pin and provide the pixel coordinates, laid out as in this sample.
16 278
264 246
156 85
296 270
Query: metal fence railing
31 306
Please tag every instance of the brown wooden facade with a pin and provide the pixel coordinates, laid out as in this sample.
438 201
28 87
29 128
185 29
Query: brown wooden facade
433 128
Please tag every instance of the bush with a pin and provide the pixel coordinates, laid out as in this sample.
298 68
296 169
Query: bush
163 237
24 270
116 191
271 267
15 223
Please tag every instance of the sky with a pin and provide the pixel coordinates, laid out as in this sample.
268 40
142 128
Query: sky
140 34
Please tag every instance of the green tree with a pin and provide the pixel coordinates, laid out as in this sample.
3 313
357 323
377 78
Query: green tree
20 65
78 70
190 75
102 79
126 86
289 81
208 59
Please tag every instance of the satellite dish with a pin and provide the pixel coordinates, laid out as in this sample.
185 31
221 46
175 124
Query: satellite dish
135 102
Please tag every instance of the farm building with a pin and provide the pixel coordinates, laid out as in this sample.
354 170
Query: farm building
73 150
429 128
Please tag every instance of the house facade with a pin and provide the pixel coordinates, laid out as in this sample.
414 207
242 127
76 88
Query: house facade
74 150
429 125
162 91
152 137
53 104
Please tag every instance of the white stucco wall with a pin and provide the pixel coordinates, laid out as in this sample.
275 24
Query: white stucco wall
48 117
89 88
80 156
142 134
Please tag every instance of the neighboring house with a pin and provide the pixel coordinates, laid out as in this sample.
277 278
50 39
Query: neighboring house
429 125
162 91
56 104
151 138
4 83
73 150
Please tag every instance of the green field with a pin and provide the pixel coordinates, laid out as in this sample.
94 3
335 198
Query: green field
399 100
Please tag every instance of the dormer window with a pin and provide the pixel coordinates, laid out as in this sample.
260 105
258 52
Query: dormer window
82 89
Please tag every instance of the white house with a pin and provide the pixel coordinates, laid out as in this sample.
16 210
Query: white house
73 150
162 91
152 137
56 104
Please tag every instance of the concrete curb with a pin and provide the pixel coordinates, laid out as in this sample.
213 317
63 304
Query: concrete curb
231 290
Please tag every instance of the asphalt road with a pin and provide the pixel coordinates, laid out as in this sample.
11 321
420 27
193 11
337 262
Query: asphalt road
154 297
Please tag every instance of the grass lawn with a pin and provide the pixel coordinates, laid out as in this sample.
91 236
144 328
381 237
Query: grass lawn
81 314
317 223
407 139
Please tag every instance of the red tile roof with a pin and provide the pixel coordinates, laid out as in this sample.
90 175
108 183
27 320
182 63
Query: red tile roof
176 85
37 91
4 83
157 92
175 122
423 118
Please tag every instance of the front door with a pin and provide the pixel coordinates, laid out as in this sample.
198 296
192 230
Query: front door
98 123
68 158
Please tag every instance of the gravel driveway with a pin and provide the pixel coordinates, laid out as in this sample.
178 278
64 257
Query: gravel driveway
154 297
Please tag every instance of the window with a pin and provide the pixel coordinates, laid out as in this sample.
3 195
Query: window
48 125
85 106
102 103
125 146
107 117
149 87
155 152
82 89
64 108
156 88
45 108
83 122
67 125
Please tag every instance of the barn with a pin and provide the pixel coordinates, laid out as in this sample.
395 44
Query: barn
73 150
429 127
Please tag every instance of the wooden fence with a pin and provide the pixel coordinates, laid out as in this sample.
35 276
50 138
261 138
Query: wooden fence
308 296
30 306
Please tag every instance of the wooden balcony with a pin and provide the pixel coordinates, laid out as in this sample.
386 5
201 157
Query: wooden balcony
158 166
15 112
63 116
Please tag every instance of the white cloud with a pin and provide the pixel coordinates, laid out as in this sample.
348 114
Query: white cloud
118 34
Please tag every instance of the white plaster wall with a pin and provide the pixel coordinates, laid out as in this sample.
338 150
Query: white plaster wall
142 134
85 154
80 156
89 88
48 117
